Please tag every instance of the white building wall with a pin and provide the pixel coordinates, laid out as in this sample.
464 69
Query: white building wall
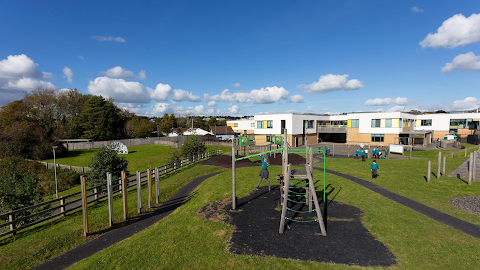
441 122
365 122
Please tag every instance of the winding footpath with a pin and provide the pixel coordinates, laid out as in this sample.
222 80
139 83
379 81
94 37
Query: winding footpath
106 240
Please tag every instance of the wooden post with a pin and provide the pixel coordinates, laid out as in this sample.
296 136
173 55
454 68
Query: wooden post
348 150
234 196
317 205
369 152
124 195
286 183
110 200
439 164
62 204
333 150
444 162
95 190
429 171
470 169
411 148
157 188
149 179
474 167
139 194
84 205
11 218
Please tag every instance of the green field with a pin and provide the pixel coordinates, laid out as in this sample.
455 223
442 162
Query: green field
140 157
52 238
185 241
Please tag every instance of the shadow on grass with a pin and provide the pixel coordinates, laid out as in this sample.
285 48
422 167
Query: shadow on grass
463 180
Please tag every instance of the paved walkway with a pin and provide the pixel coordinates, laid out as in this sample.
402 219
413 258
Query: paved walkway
462 171
441 217
106 240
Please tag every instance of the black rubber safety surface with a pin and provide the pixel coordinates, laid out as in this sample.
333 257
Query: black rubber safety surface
347 242
106 240
466 227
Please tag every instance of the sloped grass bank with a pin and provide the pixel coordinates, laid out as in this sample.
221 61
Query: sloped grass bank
44 241
184 240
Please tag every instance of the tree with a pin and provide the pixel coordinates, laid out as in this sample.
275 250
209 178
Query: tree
105 160
101 120
192 147
166 123
198 122
212 122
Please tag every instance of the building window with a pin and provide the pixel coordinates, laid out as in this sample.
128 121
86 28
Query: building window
460 123
308 123
259 124
270 124
388 122
427 123
269 138
252 125
378 138
322 123
375 122
355 123
235 124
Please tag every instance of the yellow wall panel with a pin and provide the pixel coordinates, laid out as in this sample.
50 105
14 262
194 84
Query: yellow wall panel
395 122
418 123
264 124
382 122
349 123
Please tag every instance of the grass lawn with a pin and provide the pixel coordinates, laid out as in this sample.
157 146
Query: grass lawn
52 238
407 177
185 241
140 157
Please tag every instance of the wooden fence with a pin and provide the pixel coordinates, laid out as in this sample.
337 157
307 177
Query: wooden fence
34 214
78 169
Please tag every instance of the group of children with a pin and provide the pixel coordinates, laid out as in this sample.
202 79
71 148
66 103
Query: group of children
376 153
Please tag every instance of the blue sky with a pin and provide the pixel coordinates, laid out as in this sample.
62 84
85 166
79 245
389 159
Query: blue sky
246 57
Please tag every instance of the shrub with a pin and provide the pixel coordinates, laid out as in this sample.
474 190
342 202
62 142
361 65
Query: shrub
193 146
105 160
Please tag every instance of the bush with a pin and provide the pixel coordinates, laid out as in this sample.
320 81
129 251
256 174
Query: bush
105 160
193 146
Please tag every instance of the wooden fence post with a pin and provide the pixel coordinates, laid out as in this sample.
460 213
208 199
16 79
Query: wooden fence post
348 150
62 208
84 205
333 150
149 179
124 195
429 171
11 218
157 189
139 195
110 201
470 169
439 164
95 190
444 162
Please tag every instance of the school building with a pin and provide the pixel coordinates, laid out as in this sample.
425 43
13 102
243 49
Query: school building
378 128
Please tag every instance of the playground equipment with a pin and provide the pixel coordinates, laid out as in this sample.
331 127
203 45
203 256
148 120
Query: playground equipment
291 191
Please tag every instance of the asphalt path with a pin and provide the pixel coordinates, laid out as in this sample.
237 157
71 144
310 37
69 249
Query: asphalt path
106 240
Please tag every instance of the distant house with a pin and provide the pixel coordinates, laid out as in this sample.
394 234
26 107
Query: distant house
176 132
223 133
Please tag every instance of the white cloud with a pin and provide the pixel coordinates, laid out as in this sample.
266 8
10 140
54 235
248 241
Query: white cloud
297 99
265 95
330 82
142 75
161 92
20 73
197 110
211 103
236 85
396 108
119 72
182 95
467 61
160 109
109 38
131 107
18 66
234 109
81 57
455 31
416 9
120 90
469 103
67 74
386 101
27 84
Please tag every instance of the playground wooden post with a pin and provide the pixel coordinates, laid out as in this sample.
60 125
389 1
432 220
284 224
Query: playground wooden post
110 201
124 195
439 164
369 152
286 183
234 198
429 171
317 205
149 179
157 188
411 148
444 162
83 186
139 195
348 150
333 150
470 169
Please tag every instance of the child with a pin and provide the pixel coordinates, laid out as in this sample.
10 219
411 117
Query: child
264 172
362 154
356 153
374 169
